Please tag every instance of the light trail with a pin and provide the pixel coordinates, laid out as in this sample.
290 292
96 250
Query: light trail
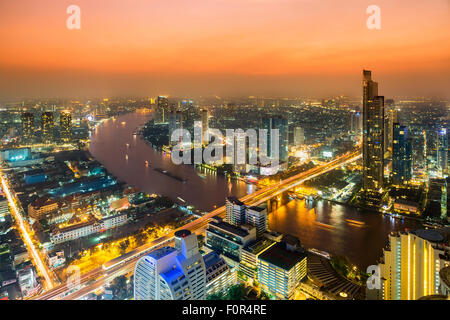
31 248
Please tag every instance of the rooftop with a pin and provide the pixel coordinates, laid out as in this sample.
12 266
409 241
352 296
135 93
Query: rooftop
279 256
229 228
235 200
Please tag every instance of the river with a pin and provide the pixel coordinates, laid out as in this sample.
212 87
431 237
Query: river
327 227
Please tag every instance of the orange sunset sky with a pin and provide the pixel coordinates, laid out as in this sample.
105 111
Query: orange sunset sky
202 47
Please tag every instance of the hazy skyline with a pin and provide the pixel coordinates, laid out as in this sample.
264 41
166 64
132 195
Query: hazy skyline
223 47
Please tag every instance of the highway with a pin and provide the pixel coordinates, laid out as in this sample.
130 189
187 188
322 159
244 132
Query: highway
95 279
41 267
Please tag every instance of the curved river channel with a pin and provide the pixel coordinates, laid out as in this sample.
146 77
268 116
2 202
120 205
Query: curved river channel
330 227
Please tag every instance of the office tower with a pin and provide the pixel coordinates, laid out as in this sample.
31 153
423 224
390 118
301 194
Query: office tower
355 122
392 118
401 155
277 122
175 122
411 264
257 217
27 126
442 152
219 276
228 239
65 126
162 110
47 127
281 268
235 211
373 135
205 127
250 257
299 136
172 273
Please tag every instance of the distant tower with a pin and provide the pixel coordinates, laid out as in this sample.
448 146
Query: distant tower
373 135
299 136
162 110
401 155
442 152
205 127
27 126
47 127
65 126
175 122
279 123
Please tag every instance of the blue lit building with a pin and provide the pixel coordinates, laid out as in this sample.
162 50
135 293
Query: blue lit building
442 152
401 155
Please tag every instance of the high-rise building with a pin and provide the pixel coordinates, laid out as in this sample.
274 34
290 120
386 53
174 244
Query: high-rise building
401 155
172 273
219 276
27 126
281 268
249 257
411 265
162 110
277 122
65 126
442 152
257 217
205 127
175 122
47 127
373 135
355 122
299 136
392 118
235 211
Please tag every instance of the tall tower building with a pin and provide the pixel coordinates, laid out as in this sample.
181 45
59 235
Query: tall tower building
172 273
257 217
65 126
401 155
205 127
175 122
27 126
235 211
411 265
47 127
442 152
299 136
162 110
373 135
392 118
277 122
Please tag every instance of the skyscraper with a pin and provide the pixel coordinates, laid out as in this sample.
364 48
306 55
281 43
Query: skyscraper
401 155
257 217
411 265
277 122
442 152
27 126
205 127
47 127
65 126
235 211
299 136
175 122
162 110
172 273
373 135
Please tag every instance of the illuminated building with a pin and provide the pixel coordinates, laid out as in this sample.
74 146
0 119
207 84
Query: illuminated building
279 123
373 135
257 217
299 136
219 276
442 152
205 127
355 122
175 122
228 240
47 126
27 126
281 268
172 273
392 119
401 155
65 126
162 109
411 265
249 257
235 211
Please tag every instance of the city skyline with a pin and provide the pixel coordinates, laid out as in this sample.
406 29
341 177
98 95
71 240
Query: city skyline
222 47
